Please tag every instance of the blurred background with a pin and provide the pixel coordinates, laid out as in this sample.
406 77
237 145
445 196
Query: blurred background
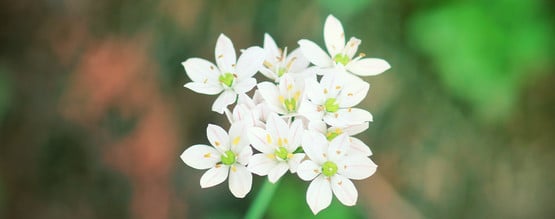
94 116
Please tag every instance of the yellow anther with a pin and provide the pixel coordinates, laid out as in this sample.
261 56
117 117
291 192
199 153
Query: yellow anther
207 155
280 142
268 64
236 140
268 138
281 99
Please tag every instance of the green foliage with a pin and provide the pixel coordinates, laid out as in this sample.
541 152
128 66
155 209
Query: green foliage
344 8
484 50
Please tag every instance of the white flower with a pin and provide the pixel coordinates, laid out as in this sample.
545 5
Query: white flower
331 168
341 53
332 100
228 157
278 63
230 78
277 144
356 146
285 98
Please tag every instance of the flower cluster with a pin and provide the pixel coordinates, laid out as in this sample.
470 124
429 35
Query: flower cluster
302 120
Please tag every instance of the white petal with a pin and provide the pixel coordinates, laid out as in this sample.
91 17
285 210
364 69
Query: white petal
334 35
333 84
249 62
298 62
203 88
315 92
346 117
244 85
310 111
277 172
268 73
368 66
308 170
351 47
356 167
242 113
296 132
201 156
315 54
270 47
261 140
339 147
277 127
261 164
344 190
295 161
353 93
244 156
218 137
270 93
315 145
225 99
214 176
240 181
225 54
359 147
319 126
238 136
200 70
355 129
318 195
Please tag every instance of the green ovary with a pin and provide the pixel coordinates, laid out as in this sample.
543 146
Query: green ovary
329 168
331 106
226 79
290 104
282 153
330 135
228 158
281 71
341 58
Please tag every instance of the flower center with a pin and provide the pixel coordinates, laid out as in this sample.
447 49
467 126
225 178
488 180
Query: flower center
329 168
330 135
290 104
282 153
228 158
342 59
226 79
331 106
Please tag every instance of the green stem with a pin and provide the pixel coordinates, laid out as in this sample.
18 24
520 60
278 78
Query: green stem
262 200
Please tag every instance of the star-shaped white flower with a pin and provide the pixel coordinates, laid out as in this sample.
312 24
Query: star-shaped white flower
340 53
277 144
230 78
284 98
228 157
331 169
278 63
332 100
356 146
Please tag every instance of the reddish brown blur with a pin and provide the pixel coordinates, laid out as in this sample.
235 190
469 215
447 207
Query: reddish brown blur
118 74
